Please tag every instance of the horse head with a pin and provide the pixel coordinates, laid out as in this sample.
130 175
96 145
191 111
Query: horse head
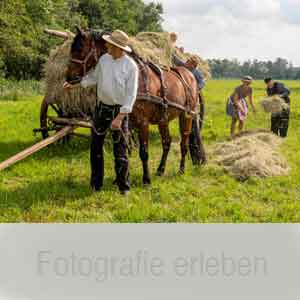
86 49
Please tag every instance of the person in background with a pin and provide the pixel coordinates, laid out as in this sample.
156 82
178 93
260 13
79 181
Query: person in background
237 106
173 39
192 64
279 121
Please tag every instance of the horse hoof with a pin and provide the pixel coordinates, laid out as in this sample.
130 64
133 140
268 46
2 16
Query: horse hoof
159 173
146 182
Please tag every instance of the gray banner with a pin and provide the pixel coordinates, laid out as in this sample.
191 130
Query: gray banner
149 261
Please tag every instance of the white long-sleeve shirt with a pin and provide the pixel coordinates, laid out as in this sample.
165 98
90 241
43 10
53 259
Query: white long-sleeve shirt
116 80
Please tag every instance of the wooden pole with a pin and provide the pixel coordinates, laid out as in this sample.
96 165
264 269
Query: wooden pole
72 122
60 34
27 152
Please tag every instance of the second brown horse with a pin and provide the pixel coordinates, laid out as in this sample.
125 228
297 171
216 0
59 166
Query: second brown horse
163 95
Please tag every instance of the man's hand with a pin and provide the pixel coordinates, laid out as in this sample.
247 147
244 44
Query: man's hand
117 122
68 86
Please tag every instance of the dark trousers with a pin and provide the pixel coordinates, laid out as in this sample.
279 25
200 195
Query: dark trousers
103 118
280 123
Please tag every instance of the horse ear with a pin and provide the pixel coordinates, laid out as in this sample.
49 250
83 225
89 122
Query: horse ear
80 31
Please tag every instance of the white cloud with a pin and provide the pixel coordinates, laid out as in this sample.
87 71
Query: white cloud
243 29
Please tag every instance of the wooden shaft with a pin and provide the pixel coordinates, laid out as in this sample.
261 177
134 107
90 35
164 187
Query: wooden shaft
57 33
27 152
72 122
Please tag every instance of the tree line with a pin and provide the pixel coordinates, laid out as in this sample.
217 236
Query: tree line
279 69
24 47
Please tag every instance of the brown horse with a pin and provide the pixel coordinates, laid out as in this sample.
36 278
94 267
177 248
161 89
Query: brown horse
163 95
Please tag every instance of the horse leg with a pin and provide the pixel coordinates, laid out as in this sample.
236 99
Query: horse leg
166 144
185 131
144 156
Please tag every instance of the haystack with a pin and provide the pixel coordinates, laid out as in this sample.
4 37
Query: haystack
274 104
254 154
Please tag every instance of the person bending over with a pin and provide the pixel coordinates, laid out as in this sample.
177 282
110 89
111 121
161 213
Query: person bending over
279 121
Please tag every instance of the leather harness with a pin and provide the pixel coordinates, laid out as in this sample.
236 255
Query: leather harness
162 99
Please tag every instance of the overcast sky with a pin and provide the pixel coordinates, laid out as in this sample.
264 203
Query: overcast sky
243 29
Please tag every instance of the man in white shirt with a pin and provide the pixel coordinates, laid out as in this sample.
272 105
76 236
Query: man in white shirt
116 77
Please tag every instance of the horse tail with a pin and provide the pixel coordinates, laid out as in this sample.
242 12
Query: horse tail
202 110
196 146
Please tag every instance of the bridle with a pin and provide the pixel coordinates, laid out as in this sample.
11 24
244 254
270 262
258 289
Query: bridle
83 63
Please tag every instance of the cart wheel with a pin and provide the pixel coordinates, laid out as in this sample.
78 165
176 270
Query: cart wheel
47 109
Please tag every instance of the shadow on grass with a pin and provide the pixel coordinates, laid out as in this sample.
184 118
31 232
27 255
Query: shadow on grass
54 192
59 149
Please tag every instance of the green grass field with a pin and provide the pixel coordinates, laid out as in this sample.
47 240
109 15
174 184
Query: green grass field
53 184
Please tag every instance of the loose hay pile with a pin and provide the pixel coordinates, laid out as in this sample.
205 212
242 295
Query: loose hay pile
254 154
273 104
79 102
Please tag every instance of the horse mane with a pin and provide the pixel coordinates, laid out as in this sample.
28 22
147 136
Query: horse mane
95 34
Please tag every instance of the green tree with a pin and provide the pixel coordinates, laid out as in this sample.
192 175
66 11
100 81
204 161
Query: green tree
24 47
132 16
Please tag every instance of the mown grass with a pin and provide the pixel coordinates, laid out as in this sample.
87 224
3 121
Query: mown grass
53 185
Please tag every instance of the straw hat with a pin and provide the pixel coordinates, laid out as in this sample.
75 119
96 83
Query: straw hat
119 39
247 79
195 59
173 34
